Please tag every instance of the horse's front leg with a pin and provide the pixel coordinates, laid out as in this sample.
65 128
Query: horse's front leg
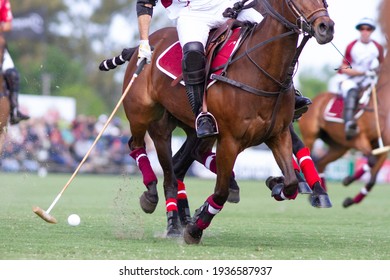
287 187
226 155
374 165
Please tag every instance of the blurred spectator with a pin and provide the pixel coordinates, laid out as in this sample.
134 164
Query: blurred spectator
59 147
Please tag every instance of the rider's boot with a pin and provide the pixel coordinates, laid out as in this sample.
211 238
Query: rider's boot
194 76
11 77
301 104
350 103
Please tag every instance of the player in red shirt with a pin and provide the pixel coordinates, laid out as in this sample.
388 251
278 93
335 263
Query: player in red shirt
7 67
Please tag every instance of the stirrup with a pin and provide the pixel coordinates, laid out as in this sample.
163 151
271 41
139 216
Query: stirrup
208 115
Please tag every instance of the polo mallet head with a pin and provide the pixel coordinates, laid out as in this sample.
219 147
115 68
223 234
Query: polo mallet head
44 215
380 150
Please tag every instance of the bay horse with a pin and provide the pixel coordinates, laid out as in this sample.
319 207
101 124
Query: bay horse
4 99
258 110
315 124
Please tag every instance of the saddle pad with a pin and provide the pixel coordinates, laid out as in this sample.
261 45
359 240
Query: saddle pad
169 62
334 109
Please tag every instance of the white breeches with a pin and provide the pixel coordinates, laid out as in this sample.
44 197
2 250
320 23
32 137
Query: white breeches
195 23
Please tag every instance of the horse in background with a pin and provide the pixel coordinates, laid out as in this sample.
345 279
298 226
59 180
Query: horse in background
324 121
247 116
4 99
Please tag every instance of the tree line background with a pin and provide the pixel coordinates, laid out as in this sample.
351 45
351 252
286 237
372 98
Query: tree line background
78 36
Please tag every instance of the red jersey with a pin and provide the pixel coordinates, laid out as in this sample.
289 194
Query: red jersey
5 11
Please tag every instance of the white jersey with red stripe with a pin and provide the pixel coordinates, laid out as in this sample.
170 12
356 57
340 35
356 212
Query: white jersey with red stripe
361 55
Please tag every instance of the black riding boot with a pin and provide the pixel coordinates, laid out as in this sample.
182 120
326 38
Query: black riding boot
11 77
350 103
194 76
301 104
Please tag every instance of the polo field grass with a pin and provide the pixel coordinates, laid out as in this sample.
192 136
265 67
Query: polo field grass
113 226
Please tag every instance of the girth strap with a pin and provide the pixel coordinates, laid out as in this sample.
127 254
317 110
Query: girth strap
244 86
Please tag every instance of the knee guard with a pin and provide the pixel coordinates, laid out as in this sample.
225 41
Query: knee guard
11 77
194 63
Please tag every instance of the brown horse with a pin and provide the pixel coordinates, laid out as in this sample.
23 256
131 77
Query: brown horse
246 115
315 125
4 99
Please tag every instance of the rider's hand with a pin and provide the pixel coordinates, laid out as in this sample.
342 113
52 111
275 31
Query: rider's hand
144 51
370 73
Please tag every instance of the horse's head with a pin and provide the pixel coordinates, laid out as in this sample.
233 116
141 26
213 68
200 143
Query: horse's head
308 16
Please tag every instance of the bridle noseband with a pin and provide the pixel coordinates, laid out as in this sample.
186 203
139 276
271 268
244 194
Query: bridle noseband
303 23
306 21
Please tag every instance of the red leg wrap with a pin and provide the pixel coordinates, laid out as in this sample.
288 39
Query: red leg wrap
360 172
181 190
295 165
171 204
207 214
307 165
208 160
360 196
142 160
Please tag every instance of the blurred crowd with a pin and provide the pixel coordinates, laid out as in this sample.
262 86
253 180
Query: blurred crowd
51 145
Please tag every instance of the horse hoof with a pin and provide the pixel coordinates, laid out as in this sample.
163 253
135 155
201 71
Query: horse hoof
174 232
347 180
148 202
173 228
272 181
192 234
304 188
234 196
234 191
319 198
348 202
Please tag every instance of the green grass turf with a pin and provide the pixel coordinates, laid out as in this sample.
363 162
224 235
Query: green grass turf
113 227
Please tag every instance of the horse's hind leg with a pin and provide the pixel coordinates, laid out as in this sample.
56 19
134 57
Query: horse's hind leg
161 133
227 151
375 163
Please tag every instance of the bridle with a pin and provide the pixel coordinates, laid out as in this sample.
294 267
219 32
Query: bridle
306 21
303 23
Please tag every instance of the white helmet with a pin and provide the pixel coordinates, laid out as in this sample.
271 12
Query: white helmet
366 21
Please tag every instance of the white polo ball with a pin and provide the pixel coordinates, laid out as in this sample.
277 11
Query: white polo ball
74 220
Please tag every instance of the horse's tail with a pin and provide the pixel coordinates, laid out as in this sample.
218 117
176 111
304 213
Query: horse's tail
112 63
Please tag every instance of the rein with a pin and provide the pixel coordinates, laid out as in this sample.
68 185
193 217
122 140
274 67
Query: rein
305 27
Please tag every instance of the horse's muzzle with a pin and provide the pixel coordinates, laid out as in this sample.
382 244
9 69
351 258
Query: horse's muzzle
324 30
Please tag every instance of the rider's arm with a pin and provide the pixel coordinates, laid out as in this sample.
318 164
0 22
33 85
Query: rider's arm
144 14
5 26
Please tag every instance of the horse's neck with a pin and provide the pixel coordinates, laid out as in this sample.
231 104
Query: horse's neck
281 50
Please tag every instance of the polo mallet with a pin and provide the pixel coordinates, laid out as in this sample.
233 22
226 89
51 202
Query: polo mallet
45 215
381 149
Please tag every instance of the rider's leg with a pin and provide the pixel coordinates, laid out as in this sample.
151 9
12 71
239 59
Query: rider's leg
349 110
301 104
194 76
11 77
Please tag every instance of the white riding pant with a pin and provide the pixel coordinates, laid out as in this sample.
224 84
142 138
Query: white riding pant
195 22
8 63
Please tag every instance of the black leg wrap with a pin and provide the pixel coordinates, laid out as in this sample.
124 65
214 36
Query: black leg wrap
173 228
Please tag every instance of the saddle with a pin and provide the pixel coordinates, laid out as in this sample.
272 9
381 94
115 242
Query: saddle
223 42
334 109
